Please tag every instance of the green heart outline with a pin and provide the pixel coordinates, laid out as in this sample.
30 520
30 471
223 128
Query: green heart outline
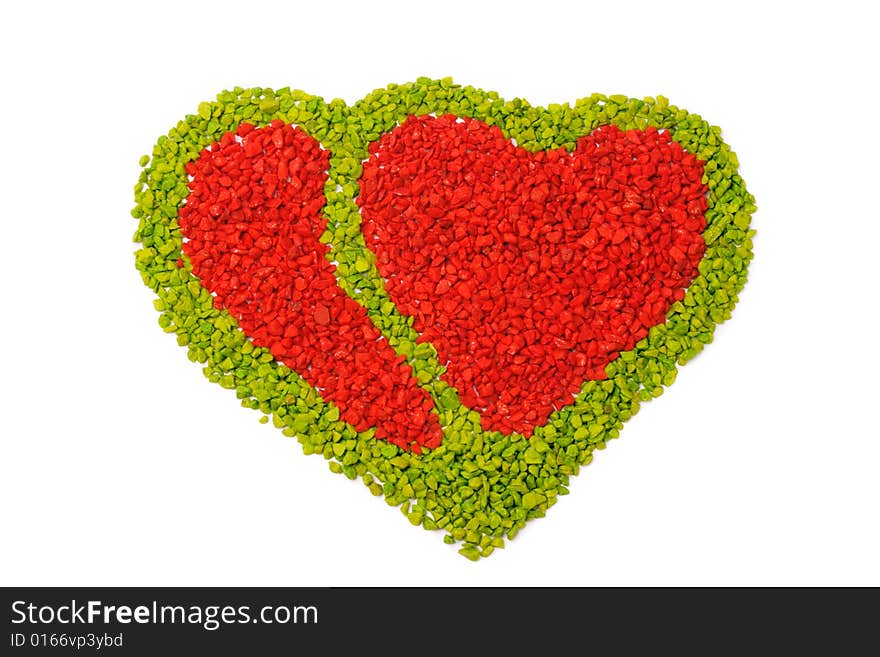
452 487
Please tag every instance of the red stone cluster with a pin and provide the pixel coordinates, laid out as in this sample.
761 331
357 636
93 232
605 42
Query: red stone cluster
251 224
530 272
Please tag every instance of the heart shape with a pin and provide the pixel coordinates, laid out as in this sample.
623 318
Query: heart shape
530 272
479 485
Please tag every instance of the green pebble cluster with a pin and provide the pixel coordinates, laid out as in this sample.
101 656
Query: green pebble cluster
479 487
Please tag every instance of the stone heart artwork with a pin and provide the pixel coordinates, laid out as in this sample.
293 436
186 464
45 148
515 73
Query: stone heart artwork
453 297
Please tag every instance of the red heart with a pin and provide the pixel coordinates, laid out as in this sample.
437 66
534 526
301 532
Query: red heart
251 227
530 272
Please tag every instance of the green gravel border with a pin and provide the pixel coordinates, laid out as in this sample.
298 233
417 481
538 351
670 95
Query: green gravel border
479 487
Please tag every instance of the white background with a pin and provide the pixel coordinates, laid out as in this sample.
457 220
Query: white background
122 465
